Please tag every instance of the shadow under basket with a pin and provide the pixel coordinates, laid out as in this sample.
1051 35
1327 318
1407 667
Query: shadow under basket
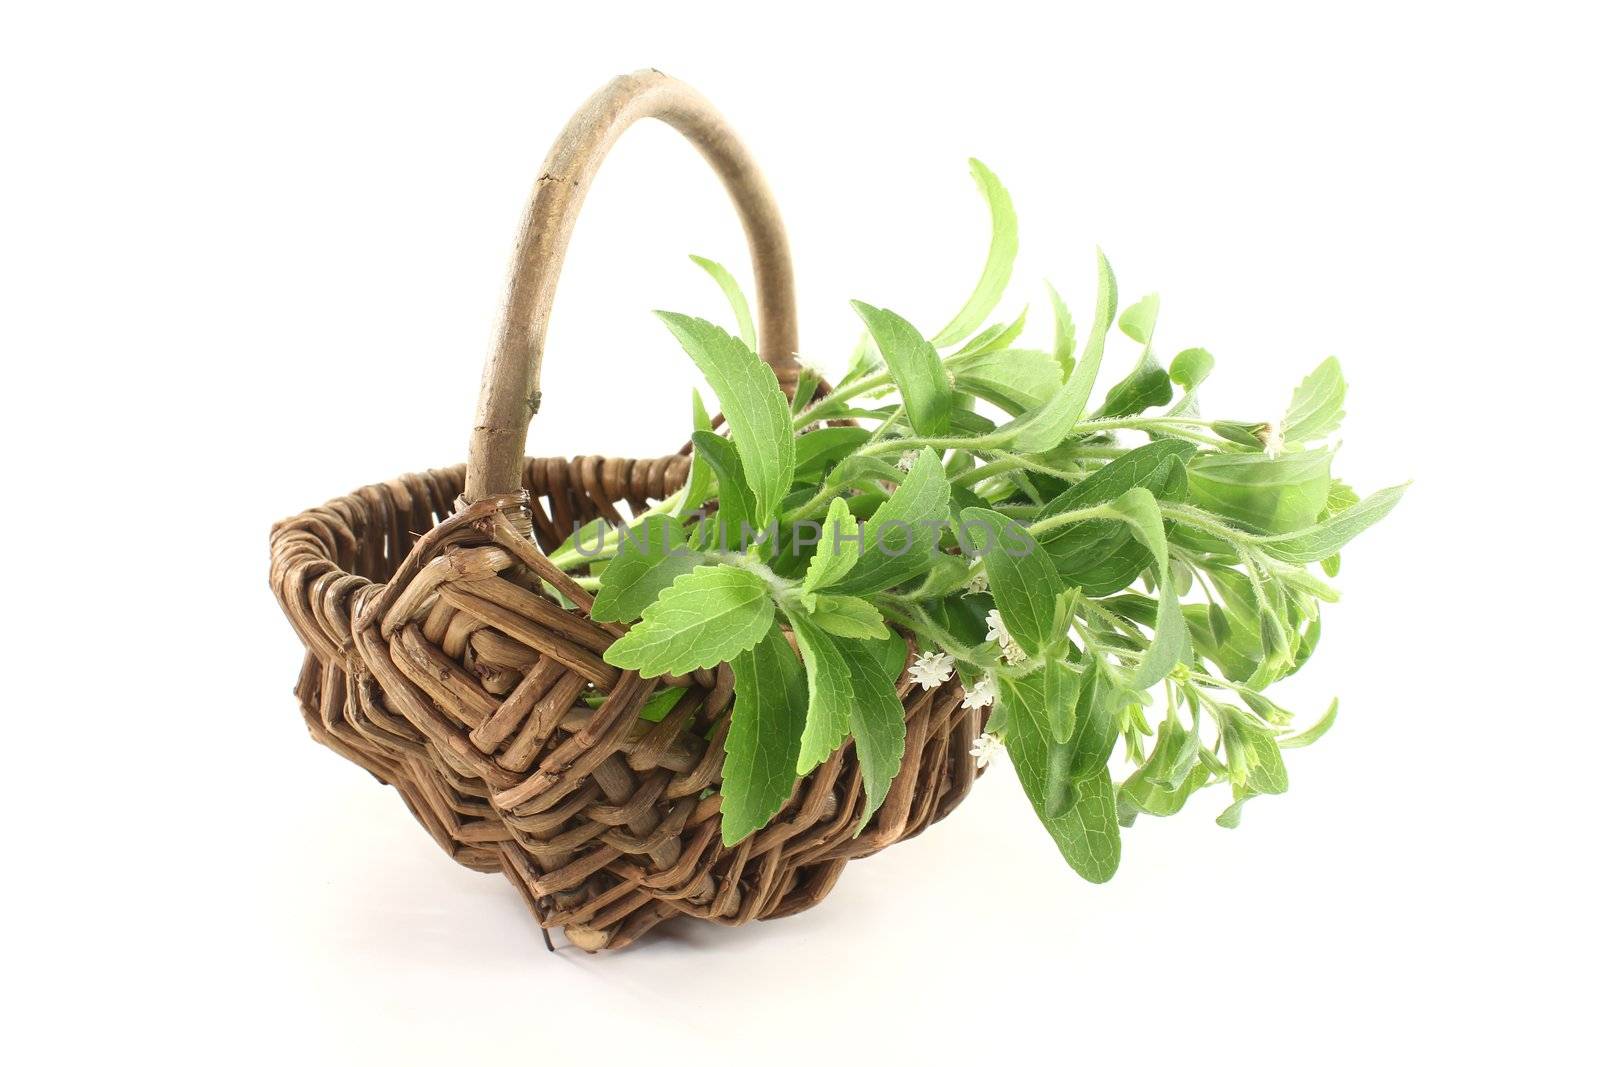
436 663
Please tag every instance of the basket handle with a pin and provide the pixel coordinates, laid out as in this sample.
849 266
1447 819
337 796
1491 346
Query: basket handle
510 393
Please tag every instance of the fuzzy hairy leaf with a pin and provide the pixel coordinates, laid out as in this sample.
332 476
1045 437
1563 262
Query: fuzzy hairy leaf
915 366
754 406
650 557
996 268
763 741
703 618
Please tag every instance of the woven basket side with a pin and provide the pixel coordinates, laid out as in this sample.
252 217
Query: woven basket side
457 680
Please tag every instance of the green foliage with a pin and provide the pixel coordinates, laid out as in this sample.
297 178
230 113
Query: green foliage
1129 584
763 739
996 268
703 618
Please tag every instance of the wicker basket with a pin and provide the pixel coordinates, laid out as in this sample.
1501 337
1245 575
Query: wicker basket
436 660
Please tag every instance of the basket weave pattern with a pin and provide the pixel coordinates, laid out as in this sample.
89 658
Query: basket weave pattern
436 660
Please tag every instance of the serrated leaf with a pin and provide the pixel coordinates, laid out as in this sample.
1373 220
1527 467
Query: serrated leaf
996 268
730 289
763 741
650 557
1317 408
756 411
877 722
915 367
734 520
704 618
1333 533
838 548
1087 834
848 616
1022 578
828 692
1066 332
900 539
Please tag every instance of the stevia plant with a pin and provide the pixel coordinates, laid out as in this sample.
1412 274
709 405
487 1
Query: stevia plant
1130 571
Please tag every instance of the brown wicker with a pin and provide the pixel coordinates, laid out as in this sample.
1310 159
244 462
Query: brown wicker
437 659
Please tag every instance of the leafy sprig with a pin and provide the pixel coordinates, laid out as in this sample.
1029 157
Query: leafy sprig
1131 574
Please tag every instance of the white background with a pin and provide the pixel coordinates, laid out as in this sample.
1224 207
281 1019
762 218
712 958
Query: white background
253 258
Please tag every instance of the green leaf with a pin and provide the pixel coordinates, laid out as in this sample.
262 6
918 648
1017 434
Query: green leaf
735 515
837 550
1229 819
1253 754
1162 784
996 269
661 703
1021 576
1066 333
754 406
877 722
1333 533
1087 834
864 360
1143 466
994 338
697 488
817 451
1191 367
829 693
915 366
1046 427
1312 732
1268 495
1317 407
1013 379
1139 320
704 618
730 289
1094 733
849 616
1062 685
1147 385
899 540
763 742
650 557
1139 509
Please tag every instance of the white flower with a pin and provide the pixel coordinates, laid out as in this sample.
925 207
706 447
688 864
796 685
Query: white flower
980 694
985 748
978 583
931 669
1272 441
907 461
1010 651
